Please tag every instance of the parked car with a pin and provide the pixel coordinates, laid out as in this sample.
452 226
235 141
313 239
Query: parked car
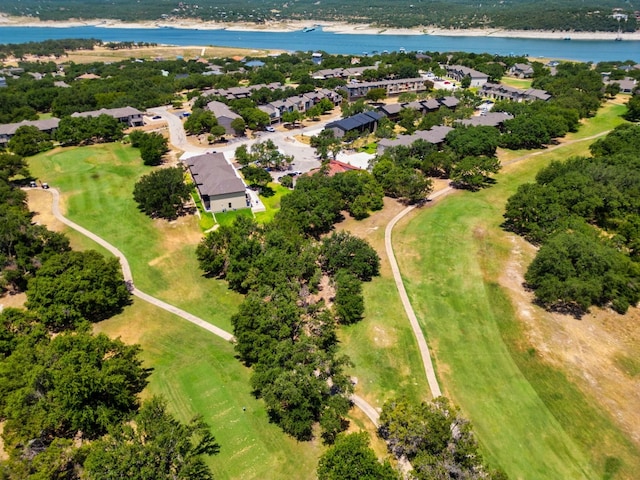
270 129
45 185
33 184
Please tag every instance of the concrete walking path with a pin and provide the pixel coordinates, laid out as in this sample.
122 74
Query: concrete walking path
359 402
128 277
427 363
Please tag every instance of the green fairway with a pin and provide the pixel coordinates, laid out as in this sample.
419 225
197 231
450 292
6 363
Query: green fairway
196 372
96 184
530 419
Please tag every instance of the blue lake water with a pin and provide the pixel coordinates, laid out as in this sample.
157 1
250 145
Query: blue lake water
357 44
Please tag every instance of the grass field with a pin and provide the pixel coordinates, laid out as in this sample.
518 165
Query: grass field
271 203
194 370
531 420
523 83
97 184
382 346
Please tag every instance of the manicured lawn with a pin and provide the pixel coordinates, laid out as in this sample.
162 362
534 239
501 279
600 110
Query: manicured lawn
530 419
97 184
198 374
271 203
382 346
523 83
195 371
227 218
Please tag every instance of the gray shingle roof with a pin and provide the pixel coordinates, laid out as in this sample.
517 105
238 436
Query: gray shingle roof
213 175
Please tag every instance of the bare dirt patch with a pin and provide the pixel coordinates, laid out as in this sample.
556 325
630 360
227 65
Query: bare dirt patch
13 301
40 203
599 352
372 229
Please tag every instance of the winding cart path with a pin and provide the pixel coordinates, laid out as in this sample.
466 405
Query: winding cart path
359 402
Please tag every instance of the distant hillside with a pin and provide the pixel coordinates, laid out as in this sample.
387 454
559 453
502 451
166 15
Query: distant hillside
577 15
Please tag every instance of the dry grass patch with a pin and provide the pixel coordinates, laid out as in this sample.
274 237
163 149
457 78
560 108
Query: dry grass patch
102 54
598 352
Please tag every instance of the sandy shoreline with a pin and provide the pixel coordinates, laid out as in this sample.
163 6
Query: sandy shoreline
334 27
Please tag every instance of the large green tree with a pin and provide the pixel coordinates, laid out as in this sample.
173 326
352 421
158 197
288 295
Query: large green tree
162 193
72 286
29 140
73 384
154 446
351 458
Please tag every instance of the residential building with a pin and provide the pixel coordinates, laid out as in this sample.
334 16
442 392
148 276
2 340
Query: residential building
499 91
223 114
490 119
8 130
218 184
393 87
458 72
436 136
521 70
129 115
365 121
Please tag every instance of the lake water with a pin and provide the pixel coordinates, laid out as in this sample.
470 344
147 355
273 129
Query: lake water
582 50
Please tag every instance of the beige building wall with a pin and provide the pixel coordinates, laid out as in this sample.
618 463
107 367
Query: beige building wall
231 201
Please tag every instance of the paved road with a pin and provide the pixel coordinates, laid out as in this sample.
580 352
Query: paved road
359 402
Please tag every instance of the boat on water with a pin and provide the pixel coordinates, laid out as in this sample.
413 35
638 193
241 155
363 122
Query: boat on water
308 29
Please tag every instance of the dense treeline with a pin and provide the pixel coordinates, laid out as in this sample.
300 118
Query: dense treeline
298 289
47 47
437 440
527 14
69 400
585 214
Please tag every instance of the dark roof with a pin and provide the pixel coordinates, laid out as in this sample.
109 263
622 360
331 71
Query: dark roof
213 175
355 121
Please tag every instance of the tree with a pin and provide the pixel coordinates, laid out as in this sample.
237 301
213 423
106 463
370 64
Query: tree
238 125
349 304
633 109
473 141
200 121
408 118
73 286
376 94
153 446
351 458
255 118
343 251
292 117
474 172
577 268
435 438
162 193
28 140
69 385
152 146
256 175
324 143
286 181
